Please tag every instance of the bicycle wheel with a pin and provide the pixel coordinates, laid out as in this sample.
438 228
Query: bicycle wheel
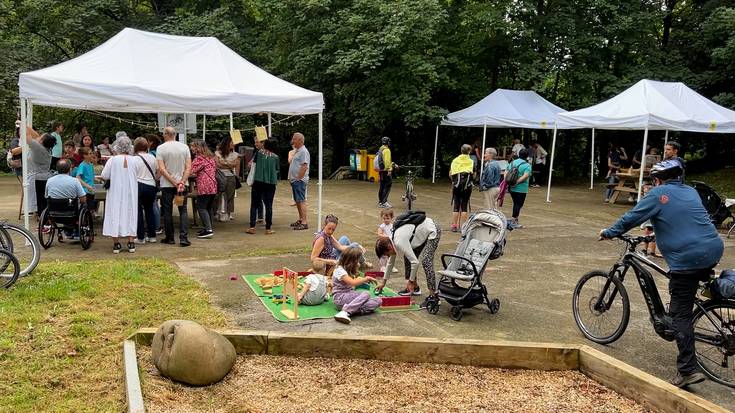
714 333
602 321
6 242
9 269
25 247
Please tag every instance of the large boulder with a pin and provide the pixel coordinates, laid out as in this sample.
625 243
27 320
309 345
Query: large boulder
190 353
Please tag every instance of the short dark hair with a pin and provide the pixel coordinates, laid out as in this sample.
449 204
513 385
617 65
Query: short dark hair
523 153
674 144
63 166
48 141
382 246
55 124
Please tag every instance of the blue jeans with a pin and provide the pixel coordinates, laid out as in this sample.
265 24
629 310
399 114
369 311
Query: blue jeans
345 240
611 180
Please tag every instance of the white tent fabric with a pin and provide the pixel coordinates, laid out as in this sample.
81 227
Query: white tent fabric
143 72
650 105
507 108
504 108
137 71
656 106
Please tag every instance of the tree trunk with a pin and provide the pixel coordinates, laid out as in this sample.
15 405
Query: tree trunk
668 21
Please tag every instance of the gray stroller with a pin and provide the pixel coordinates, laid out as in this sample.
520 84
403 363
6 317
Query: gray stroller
460 283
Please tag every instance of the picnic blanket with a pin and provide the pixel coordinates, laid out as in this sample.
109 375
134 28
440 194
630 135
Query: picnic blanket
308 312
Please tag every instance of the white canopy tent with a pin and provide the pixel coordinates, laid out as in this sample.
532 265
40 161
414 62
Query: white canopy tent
649 105
144 72
503 108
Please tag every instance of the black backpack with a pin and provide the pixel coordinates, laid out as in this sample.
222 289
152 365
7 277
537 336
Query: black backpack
462 180
512 176
414 218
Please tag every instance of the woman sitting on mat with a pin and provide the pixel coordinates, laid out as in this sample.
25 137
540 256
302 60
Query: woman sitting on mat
345 279
327 249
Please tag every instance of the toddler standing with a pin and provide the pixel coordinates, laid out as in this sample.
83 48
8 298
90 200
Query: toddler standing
385 230
347 300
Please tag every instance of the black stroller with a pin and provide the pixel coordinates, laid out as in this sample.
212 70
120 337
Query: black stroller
714 204
460 283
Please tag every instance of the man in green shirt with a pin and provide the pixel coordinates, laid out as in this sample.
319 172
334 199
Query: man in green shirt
519 191
58 149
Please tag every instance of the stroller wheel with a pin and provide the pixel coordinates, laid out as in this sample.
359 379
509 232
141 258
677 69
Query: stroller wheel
456 313
494 306
432 305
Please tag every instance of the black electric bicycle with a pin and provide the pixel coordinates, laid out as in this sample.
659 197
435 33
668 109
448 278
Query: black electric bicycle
410 196
601 310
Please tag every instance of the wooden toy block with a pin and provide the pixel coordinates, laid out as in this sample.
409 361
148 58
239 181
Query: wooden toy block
395 303
290 293
279 273
375 274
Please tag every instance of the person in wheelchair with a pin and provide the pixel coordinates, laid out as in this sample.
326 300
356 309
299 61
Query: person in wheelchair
65 193
690 245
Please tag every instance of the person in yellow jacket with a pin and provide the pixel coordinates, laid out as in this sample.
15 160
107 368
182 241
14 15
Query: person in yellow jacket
461 174
385 169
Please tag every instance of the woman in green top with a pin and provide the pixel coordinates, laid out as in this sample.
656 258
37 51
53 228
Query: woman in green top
267 169
519 191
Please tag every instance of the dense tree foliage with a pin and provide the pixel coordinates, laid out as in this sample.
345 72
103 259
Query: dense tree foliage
395 67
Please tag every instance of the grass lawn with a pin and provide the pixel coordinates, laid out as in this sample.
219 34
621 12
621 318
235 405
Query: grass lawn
61 330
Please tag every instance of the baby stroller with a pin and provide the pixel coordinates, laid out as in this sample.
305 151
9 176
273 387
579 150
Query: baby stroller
460 283
713 203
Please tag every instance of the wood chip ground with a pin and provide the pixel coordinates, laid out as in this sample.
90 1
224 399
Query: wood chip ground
260 383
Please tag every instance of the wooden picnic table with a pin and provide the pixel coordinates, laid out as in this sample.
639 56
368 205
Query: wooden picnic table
627 182
100 195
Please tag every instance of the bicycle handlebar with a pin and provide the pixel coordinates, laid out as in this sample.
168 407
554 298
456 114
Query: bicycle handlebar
633 241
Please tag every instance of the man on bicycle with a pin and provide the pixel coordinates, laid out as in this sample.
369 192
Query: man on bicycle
690 245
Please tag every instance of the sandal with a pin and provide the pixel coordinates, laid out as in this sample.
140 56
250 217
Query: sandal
295 224
300 227
269 232
250 231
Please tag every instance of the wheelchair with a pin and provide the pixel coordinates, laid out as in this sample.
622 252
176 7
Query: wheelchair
64 215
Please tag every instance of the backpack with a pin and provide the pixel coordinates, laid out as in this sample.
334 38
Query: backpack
512 176
414 218
462 180
378 163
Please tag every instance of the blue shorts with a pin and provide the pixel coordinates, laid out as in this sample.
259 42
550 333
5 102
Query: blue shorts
299 191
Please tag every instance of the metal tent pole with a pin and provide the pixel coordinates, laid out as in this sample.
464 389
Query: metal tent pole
482 154
666 138
321 158
269 125
204 127
551 166
592 161
232 122
643 163
433 169
24 156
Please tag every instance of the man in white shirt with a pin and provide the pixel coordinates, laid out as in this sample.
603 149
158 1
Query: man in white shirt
517 146
539 164
174 165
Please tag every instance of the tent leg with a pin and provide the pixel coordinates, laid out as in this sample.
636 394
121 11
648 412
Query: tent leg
482 154
592 161
24 122
551 166
204 127
433 168
643 163
269 125
232 122
666 138
321 158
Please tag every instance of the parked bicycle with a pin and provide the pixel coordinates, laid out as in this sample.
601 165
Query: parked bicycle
23 244
409 197
601 310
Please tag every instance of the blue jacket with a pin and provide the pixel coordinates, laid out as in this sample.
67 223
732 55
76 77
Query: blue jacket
490 175
684 232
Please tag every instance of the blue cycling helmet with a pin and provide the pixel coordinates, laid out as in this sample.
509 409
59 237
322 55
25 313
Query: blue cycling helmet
667 170
385 140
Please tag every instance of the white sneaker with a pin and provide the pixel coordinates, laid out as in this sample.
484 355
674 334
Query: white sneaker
232 216
151 240
343 317
140 241
387 205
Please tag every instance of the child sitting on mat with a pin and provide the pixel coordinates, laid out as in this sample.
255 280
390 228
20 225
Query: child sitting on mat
314 290
344 278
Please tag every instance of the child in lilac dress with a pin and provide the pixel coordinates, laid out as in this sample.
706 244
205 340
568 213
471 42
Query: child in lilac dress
344 281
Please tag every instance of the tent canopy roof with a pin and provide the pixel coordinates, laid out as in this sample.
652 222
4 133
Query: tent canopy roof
138 71
656 106
507 108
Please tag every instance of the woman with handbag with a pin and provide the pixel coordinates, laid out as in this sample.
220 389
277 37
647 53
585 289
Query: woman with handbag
265 178
228 162
147 191
205 169
121 214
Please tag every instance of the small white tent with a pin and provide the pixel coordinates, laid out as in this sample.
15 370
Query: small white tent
651 105
500 109
143 72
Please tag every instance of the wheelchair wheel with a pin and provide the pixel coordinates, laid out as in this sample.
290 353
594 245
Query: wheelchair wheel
86 228
456 313
494 306
46 230
9 269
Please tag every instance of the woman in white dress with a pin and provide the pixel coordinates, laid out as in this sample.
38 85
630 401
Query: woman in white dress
121 204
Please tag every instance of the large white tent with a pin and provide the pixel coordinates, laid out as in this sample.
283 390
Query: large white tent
503 108
651 105
144 72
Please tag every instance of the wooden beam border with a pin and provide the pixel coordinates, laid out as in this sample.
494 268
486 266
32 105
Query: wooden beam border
629 381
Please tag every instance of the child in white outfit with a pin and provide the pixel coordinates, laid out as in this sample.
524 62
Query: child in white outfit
314 290
385 230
